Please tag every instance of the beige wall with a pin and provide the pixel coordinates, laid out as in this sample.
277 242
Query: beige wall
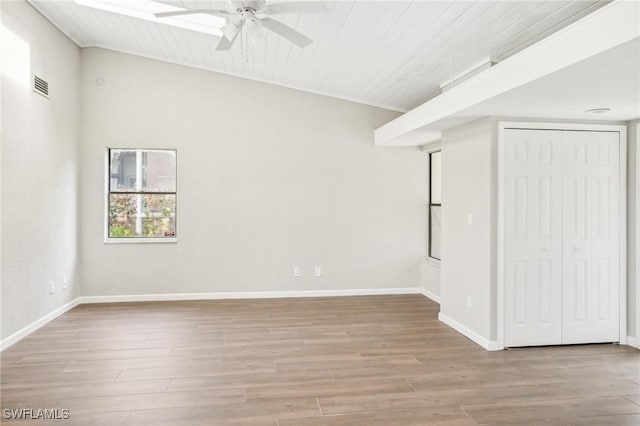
268 179
39 168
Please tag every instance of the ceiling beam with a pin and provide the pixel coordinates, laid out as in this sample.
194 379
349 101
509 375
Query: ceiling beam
604 29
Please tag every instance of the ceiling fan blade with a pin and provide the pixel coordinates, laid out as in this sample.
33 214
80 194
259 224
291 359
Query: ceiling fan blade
232 28
286 31
294 7
191 12
225 44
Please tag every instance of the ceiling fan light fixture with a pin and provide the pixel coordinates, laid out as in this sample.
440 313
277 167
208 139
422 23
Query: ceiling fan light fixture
256 33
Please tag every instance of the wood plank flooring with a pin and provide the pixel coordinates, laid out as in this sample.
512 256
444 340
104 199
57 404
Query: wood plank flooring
374 360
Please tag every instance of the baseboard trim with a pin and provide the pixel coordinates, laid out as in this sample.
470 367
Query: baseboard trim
24 332
467 332
247 295
431 295
631 341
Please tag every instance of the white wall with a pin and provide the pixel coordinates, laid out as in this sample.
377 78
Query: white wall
39 167
469 252
268 179
632 226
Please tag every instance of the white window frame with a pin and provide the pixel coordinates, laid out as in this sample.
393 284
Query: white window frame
428 151
134 240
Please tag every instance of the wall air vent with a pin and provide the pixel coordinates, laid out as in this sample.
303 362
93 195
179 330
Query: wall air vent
40 86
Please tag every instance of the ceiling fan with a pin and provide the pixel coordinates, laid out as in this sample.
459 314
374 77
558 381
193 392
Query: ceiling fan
254 16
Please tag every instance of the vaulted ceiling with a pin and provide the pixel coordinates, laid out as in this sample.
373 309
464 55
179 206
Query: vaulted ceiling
393 54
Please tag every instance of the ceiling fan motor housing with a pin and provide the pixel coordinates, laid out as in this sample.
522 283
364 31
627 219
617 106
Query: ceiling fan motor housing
246 13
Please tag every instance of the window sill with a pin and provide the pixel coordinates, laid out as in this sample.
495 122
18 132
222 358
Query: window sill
140 240
431 261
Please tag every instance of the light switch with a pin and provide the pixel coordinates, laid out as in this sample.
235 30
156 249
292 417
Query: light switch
469 219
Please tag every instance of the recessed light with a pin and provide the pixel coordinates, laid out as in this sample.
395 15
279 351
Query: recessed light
597 111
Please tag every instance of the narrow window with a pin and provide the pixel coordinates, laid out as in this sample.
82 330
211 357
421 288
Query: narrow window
141 195
435 200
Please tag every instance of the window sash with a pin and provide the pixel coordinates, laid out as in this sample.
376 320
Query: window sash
431 252
139 191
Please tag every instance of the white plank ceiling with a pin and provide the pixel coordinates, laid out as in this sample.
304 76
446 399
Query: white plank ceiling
392 54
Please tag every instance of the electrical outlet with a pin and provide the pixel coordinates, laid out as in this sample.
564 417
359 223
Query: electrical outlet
65 283
296 272
317 271
468 301
52 287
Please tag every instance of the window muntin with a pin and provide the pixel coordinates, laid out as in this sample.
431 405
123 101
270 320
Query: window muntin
435 204
141 196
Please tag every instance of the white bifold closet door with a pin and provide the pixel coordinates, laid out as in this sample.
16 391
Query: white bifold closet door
591 233
561 237
533 237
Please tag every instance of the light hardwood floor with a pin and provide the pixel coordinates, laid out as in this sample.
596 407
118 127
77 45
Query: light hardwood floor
374 360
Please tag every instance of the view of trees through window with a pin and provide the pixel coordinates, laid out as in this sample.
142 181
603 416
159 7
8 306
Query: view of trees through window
142 193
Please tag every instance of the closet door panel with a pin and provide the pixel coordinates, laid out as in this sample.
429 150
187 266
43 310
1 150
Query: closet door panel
533 237
591 237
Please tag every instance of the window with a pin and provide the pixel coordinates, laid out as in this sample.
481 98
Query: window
435 206
141 195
